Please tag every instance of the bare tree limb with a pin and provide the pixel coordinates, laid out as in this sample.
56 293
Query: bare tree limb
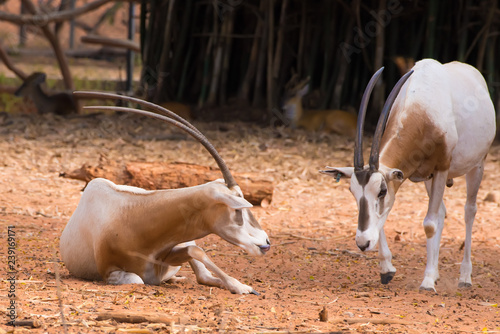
5 58
61 57
41 20
120 43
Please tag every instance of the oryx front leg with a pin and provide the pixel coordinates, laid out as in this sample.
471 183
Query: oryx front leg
433 225
473 179
387 270
200 262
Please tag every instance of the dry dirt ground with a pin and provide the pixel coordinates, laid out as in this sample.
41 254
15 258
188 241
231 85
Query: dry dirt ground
313 263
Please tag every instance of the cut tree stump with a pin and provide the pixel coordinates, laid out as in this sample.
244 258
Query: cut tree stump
256 188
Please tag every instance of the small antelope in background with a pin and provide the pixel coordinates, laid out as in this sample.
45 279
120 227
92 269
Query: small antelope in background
124 234
59 104
336 121
440 126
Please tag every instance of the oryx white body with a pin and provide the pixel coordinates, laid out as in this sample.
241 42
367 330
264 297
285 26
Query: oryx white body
125 234
440 126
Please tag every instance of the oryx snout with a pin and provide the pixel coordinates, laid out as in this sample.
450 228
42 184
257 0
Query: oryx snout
367 240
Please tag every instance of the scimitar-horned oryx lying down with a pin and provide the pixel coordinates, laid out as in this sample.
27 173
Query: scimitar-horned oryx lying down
440 126
124 234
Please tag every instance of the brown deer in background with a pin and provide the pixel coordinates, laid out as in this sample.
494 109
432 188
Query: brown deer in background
59 104
336 121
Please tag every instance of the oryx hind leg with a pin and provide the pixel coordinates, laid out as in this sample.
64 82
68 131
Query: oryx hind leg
473 179
433 225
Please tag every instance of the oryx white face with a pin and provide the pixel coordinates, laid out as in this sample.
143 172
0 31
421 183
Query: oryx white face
375 197
236 224
374 192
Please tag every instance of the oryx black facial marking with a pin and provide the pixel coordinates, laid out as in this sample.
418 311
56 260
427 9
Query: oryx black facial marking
364 216
363 177
251 219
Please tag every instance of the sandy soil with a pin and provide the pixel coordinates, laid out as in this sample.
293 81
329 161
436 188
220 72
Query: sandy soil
313 264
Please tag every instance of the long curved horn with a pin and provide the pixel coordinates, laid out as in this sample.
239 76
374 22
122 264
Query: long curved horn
152 106
384 115
358 143
181 124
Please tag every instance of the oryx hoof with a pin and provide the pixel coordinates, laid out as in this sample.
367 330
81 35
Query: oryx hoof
423 288
464 285
387 277
255 292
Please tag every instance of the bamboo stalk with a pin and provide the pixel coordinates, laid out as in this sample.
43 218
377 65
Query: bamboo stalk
429 50
206 61
187 63
463 32
343 63
252 61
270 47
165 54
329 28
378 91
482 45
226 57
279 43
180 49
302 38
259 78
217 58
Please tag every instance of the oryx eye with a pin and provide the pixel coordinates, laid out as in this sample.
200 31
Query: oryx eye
382 193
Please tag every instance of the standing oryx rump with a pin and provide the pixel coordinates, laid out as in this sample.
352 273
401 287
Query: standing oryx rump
126 235
440 126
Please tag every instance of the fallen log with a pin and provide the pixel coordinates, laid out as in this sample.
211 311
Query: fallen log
161 175
135 317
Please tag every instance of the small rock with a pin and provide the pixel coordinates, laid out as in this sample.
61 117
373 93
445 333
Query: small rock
492 197
323 314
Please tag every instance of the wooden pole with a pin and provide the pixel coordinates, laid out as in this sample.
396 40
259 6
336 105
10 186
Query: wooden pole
253 59
270 48
165 54
130 53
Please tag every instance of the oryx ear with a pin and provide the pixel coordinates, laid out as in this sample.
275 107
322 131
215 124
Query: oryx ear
338 172
303 91
232 201
395 174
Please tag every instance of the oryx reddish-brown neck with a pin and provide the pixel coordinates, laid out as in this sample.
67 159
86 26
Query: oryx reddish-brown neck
413 144
183 207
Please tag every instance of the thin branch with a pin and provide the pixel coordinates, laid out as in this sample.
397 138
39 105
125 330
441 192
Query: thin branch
120 43
54 42
43 19
5 58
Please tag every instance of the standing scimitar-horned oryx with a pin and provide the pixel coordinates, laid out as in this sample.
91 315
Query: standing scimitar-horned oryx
124 234
439 124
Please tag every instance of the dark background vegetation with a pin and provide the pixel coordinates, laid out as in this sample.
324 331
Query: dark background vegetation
246 51
241 53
